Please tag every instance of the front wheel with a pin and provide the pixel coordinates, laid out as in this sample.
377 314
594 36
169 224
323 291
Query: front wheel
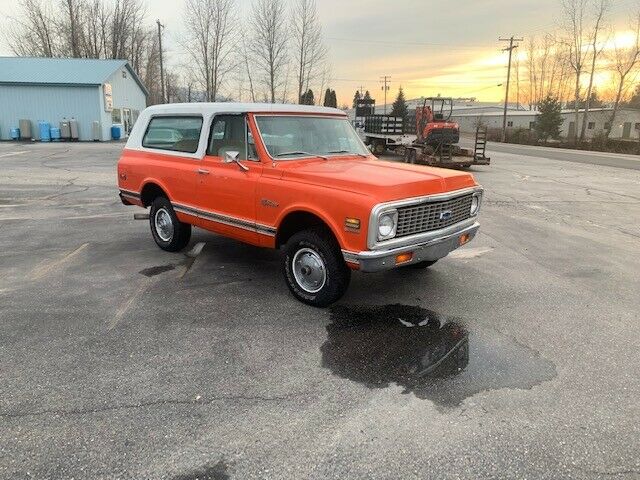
314 268
169 233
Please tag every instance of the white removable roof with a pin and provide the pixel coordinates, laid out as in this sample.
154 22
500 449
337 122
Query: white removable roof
208 111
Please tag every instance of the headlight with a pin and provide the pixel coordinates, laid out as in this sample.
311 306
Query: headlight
387 223
475 205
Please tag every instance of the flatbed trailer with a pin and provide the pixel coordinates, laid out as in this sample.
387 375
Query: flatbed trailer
444 155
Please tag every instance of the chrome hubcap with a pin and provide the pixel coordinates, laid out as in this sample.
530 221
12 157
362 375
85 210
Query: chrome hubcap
164 225
309 270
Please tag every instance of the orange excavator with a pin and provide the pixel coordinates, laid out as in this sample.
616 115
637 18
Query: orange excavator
432 122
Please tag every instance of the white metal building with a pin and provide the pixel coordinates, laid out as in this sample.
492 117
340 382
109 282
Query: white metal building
626 124
88 90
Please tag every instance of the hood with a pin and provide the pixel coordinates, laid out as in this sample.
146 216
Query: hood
383 180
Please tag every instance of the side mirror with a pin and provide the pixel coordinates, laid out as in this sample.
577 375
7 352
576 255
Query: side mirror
231 156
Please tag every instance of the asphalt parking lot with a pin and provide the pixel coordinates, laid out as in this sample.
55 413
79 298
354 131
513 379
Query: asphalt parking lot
119 360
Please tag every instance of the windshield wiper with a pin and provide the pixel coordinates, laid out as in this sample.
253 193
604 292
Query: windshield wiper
348 152
283 154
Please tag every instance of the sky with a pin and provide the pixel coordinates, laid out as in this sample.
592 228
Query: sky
429 47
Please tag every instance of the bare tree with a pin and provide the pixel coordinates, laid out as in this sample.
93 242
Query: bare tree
126 20
210 41
71 26
96 36
601 7
325 78
247 67
575 19
269 47
625 61
34 33
307 42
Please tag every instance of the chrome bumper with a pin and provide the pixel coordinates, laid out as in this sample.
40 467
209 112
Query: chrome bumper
433 249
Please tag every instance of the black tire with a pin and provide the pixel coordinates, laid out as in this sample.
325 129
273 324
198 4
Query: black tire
316 244
422 265
181 233
411 156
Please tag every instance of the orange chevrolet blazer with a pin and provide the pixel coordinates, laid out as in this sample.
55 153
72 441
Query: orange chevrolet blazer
296 178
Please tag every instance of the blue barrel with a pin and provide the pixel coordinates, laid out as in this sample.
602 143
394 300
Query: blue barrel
45 131
55 134
115 132
15 133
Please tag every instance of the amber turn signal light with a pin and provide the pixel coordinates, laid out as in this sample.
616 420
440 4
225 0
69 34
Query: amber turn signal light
464 239
404 257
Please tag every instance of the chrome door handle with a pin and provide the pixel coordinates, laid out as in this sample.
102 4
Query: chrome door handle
202 171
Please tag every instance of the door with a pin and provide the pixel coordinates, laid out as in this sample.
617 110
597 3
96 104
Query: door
572 130
226 192
626 130
126 121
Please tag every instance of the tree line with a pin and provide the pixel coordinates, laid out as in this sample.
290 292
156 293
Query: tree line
276 54
562 66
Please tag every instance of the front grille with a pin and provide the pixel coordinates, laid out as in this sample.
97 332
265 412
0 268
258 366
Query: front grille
428 216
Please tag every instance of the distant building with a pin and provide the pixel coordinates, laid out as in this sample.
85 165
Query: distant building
50 89
626 125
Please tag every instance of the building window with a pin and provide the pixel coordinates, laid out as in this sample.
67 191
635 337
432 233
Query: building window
532 125
124 74
116 115
607 126
180 134
591 125
510 123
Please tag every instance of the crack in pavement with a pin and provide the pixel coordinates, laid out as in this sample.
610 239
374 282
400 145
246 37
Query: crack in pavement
161 402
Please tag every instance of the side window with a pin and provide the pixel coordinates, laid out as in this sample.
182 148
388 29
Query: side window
178 134
228 134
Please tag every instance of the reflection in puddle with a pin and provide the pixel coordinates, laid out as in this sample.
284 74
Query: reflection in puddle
435 357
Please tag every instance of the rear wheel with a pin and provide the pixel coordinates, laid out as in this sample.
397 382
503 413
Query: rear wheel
169 233
314 268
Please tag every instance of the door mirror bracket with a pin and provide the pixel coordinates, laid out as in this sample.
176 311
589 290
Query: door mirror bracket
231 156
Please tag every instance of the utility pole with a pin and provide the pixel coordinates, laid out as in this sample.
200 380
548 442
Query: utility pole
160 27
386 80
510 49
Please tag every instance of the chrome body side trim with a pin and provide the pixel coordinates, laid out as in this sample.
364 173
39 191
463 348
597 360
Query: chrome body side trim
226 219
377 210
130 194
437 247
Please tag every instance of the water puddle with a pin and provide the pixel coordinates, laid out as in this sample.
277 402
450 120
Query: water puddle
153 271
214 472
438 358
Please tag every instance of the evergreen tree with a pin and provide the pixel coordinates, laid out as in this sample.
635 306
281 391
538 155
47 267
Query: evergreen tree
330 98
307 98
334 99
367 95
327 97
356 97
400 107
549 120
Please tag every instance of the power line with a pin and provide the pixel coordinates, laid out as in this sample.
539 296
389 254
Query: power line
419 44
510 49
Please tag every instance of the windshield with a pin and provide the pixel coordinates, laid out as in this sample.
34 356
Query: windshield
291 137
